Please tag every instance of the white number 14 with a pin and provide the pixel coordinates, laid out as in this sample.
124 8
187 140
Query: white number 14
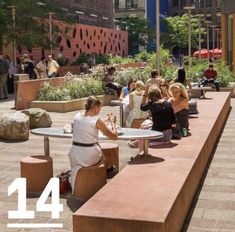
52 187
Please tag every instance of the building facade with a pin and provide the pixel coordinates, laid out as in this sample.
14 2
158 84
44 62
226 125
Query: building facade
228 33
211 11
132 8
93 12
210 8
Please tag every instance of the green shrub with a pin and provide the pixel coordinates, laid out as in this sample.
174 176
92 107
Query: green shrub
73 88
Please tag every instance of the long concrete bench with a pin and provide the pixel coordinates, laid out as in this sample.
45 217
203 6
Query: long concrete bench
154 194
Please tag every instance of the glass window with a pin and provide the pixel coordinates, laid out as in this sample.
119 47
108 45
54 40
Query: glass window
218 3
175 3
116 4
183 3
131 4
200 4
208 3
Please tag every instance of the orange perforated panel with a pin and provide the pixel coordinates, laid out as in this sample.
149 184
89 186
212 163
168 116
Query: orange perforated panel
78 38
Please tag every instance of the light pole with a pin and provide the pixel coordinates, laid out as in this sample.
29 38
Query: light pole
208 36
158 35
50 31
213 38
189 9
199 35
217 37
13 10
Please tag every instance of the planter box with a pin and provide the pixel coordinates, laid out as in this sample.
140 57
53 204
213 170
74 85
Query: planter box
66 106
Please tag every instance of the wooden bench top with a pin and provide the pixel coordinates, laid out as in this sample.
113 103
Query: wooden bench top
155 193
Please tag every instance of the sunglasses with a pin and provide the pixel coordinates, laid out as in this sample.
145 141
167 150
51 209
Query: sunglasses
163 85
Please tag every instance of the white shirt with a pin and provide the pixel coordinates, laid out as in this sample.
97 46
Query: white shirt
42 69
52 67
84 129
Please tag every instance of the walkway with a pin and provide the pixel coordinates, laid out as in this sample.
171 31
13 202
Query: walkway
214 206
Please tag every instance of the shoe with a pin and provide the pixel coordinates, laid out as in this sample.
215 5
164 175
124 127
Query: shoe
111 172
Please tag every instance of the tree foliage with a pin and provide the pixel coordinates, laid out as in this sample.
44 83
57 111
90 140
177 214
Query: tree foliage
177 32
31 22
139 32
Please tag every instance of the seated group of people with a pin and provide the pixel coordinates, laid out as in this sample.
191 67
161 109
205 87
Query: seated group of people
162 105
165 107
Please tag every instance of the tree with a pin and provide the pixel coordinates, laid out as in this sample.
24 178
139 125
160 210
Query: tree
139 32
31 28
177 32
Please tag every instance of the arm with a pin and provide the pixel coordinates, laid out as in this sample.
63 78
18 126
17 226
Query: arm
112 134
57 66
189 85
144 107
180 106
122 94
131 103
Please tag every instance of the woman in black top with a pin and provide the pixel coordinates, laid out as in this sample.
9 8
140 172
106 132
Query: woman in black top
163 116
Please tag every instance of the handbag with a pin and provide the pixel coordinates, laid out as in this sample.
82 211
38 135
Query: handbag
64 182
193 107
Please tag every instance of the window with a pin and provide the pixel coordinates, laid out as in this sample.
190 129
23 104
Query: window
208 3
175 3
200 4
116 5
192 3
183 3
218 3
131 4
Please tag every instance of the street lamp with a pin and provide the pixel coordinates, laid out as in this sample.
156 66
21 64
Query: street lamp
189 9
158 35
217 37
199 35
213 38
13 10
50 31
208 35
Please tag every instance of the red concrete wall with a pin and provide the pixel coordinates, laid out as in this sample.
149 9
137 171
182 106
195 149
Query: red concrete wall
78 38
28 91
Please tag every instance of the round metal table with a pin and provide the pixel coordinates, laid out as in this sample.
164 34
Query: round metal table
126 134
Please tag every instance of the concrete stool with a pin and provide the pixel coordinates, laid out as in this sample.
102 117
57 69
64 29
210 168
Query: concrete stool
37 170
89 180
111 154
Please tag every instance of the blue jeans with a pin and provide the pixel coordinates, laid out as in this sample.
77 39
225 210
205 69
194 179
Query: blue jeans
215 82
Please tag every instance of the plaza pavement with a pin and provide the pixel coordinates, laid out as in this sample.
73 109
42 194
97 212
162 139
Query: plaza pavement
213 209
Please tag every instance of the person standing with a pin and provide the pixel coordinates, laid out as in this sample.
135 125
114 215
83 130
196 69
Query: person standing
42 68
10 79
29 67
53 67
4 69
154 80
91 60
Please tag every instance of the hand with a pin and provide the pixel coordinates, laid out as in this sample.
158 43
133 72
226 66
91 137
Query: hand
112 118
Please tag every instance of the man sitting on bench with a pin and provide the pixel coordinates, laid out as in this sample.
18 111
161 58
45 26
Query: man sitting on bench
210 75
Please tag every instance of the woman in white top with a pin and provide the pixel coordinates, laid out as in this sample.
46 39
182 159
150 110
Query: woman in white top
42 68
85 150
135 99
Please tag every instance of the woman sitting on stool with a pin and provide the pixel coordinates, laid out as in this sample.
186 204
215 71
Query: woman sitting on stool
85 150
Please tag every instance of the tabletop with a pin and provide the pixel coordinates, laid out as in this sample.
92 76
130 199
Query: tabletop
117 102
126 133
